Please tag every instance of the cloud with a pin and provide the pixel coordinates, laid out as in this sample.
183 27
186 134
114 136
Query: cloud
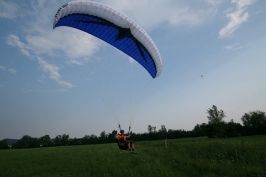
41 81
236 18
75 46
78 47
38 40
212 2
234 47
14 40
53 72
151 14
12 71
60 90
8 9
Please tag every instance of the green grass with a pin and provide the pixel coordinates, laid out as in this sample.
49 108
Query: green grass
197 157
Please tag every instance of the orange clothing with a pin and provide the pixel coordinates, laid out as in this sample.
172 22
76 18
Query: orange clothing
121 137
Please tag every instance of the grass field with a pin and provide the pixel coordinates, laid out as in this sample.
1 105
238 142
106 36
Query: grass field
197 157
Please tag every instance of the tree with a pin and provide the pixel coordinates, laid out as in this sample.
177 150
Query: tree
111 137
163 129
162 132
61 140
94 139
3 144
75 141
200 130
45 141
215 116
26 142
58 140
65 139
216 126
233 129
254 122
86 139
149 128
103 137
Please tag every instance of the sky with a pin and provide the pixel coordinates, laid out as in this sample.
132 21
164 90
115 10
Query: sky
63 81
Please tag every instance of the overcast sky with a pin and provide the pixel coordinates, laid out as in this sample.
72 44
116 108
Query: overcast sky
213 53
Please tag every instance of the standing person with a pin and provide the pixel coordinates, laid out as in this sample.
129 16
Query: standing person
122 138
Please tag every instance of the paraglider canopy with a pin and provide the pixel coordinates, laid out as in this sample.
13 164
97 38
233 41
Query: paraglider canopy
114 28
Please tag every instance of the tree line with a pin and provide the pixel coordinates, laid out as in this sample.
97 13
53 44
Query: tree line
253 123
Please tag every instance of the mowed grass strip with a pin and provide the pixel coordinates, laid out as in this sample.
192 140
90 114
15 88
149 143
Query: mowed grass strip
243 156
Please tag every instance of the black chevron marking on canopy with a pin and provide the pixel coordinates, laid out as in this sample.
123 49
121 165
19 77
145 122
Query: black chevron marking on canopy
122 32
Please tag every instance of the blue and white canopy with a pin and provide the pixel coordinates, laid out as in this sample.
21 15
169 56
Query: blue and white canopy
114 28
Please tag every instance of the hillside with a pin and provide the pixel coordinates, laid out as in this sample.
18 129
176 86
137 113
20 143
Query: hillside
10 141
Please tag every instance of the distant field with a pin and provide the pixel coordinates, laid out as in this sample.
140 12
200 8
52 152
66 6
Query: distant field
197 157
